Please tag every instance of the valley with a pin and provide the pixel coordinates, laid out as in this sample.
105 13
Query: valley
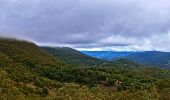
28 71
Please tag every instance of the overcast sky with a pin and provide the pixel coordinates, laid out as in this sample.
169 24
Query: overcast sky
89 24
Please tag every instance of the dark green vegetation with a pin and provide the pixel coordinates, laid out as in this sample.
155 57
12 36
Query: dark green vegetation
73 57
29 72
148 58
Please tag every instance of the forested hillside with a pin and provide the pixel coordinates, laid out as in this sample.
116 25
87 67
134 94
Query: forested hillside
73 57
28 72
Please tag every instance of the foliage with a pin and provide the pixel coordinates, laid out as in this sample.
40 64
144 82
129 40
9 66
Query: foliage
28 72
73 57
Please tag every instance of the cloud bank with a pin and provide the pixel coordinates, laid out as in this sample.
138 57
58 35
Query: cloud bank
89 24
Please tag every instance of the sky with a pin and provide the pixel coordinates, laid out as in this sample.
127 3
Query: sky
95 25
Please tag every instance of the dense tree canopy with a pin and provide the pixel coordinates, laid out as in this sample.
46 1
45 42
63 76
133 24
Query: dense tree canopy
29 72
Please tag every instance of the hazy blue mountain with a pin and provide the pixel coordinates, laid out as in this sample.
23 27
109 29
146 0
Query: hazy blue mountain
151 58
109 55
155 58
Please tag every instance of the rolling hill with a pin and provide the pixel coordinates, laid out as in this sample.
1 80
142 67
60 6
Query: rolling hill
22 51
73 57
21 69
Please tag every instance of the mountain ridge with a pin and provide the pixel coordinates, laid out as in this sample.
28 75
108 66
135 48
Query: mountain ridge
71 56
149 58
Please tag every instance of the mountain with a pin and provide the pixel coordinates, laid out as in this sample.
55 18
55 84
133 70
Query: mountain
154 58
28 72
25 52
108 55
149 58
73 57
21 69
21 59
77 58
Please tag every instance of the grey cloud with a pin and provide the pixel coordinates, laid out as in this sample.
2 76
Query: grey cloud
87 23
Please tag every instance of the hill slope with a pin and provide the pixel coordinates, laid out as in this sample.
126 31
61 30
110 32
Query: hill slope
125 64
73 57
22 51
21 59
21 67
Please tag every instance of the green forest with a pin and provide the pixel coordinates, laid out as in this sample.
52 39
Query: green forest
30 72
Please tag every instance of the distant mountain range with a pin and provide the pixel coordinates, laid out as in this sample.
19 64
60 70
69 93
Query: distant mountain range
150 58
107 55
